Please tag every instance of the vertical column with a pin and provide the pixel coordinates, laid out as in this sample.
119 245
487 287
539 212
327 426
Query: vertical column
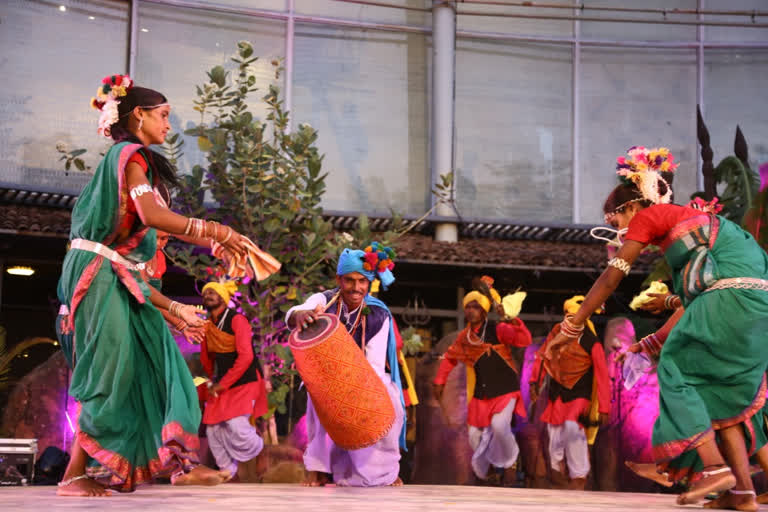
443 94
700 87
576 118
290 32
133 34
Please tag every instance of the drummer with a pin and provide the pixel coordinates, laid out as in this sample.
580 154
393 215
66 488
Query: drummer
369 322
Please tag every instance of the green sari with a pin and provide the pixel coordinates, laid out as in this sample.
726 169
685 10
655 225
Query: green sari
712 367
138 407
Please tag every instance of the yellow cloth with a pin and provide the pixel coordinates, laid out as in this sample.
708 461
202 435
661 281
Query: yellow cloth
481 299
408 380
513 303
225 289
644 297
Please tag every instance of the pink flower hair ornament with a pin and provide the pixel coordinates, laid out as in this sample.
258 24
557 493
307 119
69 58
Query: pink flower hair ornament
112 88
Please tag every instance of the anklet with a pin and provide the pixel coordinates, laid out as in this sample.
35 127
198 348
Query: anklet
65 483
738 493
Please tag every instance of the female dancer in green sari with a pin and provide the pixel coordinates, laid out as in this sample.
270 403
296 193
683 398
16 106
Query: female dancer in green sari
714 357
138 408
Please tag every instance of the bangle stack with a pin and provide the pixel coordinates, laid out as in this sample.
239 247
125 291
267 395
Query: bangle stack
570 329
175 308
672 302
651 344
195 228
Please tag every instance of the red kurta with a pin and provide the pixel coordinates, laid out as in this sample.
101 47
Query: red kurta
246 399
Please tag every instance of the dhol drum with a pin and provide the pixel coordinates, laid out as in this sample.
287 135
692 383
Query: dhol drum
351 401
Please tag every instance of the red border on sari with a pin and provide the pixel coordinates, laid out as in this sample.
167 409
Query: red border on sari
122 189
81 288
673 449
125 477
757 403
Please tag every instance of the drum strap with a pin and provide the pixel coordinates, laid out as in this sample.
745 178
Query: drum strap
335 299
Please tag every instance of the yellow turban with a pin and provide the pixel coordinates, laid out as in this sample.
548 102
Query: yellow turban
481 299
225 289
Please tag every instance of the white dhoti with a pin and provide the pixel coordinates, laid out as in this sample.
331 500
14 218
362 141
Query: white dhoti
494 445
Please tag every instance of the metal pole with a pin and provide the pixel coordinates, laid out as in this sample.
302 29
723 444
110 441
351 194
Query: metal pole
700 88
576 120
133 38
443 95
290 34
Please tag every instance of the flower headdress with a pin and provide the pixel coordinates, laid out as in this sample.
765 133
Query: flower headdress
378 258
643 167
107 99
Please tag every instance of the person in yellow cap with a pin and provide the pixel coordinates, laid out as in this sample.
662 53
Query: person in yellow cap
579 394
238 391
492 353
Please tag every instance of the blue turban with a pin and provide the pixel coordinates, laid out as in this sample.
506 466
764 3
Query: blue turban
351 260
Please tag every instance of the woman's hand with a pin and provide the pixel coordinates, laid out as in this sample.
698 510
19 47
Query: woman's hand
189 314
555 343
194 335
656 304
633 348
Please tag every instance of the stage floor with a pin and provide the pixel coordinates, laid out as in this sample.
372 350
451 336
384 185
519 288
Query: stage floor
294 498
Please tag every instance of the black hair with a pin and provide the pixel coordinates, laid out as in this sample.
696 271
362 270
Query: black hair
625 192
143 97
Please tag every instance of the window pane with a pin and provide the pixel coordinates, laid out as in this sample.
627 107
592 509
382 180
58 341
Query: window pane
639 29
736 33
513 130
366 94
267 5
53 61
734 94
368 13
511 25
178 46
634 97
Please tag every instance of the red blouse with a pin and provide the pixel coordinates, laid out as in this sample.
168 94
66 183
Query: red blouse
651 225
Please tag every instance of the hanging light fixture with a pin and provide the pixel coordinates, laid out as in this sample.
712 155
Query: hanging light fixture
18 270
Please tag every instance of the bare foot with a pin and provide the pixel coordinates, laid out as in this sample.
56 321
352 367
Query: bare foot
315 479
648 470
730 501
762 498
719 480
397 483
83 487
200 475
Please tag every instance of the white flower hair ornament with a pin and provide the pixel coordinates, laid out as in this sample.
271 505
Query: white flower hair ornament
112 88
644 168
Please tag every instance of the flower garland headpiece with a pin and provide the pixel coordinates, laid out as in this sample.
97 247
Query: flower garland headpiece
378 258
643 167
107 99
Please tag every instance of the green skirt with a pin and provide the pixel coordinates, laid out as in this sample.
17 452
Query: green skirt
138 407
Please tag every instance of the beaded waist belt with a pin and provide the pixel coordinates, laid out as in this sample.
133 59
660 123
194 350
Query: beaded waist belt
744 283
103 250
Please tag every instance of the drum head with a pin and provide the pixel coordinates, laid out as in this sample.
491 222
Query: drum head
316 332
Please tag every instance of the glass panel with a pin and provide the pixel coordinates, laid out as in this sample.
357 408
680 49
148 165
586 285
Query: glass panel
736 33
734 94
267 5
634 97
366 92
53 60
639 29
513 130
177 47
507 24
368 13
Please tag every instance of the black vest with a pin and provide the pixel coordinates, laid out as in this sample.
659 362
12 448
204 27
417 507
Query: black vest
493 376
